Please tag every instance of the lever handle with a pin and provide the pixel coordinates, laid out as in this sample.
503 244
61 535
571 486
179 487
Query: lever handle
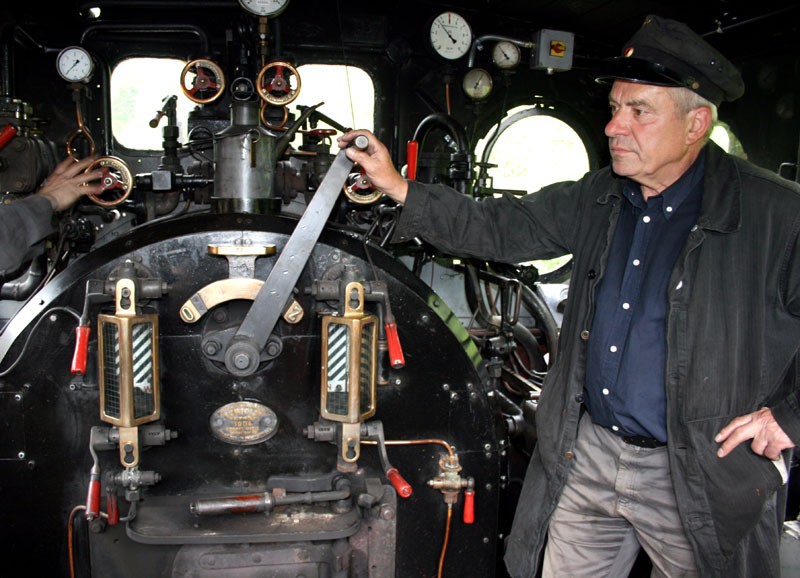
93 498
412 150
396 357
402 487
81 347
8 132
112 509
469 506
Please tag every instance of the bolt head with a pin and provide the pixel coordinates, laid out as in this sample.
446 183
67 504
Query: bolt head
242 361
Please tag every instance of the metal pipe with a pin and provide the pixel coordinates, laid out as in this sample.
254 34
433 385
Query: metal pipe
478 41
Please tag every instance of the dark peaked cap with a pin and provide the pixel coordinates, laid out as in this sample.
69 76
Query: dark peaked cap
668 53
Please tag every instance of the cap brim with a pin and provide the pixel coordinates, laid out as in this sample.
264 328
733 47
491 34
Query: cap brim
636 70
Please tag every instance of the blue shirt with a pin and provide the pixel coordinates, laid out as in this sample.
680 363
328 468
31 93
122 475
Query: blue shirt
625 388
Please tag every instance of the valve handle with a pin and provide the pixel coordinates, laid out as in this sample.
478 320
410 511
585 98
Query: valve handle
402 487
396 357
81 347
8 132
412 151
469 506
93 498
112 509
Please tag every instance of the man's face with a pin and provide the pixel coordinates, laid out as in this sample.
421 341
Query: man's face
647 136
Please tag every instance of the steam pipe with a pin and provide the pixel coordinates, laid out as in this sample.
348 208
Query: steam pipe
438 118
205 45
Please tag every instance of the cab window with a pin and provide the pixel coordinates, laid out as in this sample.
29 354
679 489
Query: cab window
138 89
533 148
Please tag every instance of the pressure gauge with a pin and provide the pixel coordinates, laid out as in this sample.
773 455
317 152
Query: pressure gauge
74 64
505 55
451 36
477 83
264 7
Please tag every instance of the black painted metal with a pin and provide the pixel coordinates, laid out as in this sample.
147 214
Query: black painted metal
439 394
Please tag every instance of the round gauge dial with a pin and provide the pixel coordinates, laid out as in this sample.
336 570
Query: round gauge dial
264 7
74 64
451 35
477 83
505 54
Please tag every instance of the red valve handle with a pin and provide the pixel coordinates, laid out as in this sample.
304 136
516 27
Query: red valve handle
8 132
411 158
81 347
402 487
111 509
93 498
396 357
469 506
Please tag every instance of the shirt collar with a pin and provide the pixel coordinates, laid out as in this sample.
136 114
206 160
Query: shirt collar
673 195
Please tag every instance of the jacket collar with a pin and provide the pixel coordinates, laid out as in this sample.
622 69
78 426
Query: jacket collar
722 190
722 194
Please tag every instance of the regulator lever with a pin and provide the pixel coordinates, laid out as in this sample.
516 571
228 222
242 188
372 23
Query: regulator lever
243 351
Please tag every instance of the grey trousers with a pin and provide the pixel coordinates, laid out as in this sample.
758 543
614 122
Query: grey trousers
618 497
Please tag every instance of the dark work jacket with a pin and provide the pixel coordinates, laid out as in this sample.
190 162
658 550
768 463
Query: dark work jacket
23 224
733 332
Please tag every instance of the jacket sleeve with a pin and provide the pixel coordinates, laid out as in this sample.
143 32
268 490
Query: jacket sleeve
506 229
23 223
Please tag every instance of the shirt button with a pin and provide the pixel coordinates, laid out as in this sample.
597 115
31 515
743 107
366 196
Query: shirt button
579 398
613 349
605 391
615 427
585 335
636 262
679 285
668 209
569 455
626 305
646 219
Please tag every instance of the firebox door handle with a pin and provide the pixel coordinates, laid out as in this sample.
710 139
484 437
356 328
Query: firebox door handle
242 355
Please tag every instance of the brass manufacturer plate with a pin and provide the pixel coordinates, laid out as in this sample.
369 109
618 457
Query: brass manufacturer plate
243 423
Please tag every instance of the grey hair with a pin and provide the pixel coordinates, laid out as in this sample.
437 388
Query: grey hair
687 100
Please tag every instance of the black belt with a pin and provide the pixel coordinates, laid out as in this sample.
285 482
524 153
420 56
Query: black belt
643 441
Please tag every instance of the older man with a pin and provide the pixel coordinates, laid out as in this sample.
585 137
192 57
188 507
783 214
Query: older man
680 339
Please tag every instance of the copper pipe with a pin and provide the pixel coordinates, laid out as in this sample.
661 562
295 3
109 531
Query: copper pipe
412 443
446 538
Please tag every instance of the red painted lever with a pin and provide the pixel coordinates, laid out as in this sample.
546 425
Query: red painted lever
411 159
112 509
81 347
396 357
400 485
8 132
469 506
93 498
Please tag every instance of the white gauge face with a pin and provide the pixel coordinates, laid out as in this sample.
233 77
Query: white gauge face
74 64
477 83
451 36
264 7
505 54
